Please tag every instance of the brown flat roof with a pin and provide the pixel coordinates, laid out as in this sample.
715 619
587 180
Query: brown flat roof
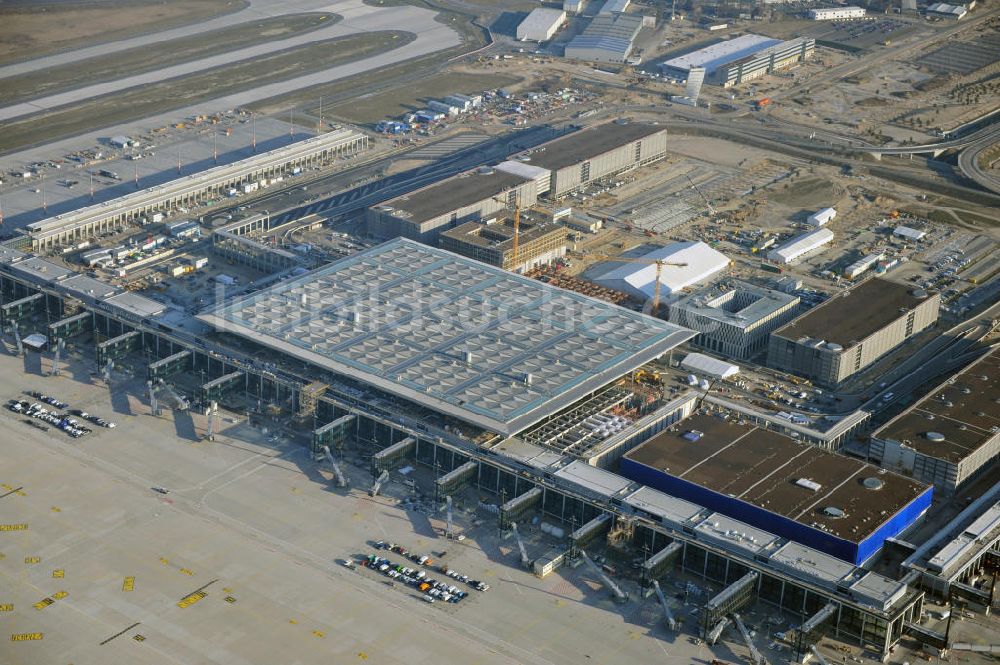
760 467
963 409
471 233
455 192
855 314
589 143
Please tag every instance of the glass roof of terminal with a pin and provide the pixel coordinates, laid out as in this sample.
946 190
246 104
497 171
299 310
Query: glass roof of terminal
465 338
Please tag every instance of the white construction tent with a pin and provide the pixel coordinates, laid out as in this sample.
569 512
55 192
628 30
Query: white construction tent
699 363
908 233
639 280
800 245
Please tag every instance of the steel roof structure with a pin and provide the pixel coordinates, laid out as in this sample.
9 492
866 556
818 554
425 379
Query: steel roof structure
470 340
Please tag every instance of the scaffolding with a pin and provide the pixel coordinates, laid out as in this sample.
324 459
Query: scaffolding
309 396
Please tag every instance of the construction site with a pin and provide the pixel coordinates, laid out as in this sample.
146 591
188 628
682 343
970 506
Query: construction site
486 321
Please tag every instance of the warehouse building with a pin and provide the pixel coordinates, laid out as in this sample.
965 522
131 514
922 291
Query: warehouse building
639 280
908 233
615 6
540 24
951 435
492 242
598 152
423 214
813 497
821 217
836 13
741 59
608 38
734 320
842 336
945 10
800 246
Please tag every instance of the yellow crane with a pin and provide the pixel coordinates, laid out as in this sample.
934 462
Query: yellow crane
659 263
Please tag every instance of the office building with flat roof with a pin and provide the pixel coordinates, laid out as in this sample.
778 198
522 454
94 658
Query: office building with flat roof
740 59
839 338
735 319
951 435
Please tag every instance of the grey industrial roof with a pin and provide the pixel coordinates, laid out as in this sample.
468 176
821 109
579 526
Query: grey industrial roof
854 315
716 304
963 410
453 193
87 287
136 305
603 483
589 143
453 334
612 33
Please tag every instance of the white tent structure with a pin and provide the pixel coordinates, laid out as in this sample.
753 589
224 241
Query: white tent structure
639 280
699 363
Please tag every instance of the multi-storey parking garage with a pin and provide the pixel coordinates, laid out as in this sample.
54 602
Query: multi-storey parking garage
96 219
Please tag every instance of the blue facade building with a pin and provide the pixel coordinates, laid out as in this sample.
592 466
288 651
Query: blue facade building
838 505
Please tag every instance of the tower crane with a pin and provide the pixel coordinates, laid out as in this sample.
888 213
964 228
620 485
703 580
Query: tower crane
659 263
711 208
517 224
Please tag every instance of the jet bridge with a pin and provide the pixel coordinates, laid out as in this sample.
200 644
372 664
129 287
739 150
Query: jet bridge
216 388
809 632
178 362
455 479
517 507
733 598
389 457
655 566
21 308
118 347
333 434
587 533
71 326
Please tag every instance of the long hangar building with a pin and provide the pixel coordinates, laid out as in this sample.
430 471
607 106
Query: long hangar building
554 169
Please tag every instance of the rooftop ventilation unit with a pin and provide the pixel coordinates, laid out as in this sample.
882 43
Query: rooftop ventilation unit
809 484
833 511
936 437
